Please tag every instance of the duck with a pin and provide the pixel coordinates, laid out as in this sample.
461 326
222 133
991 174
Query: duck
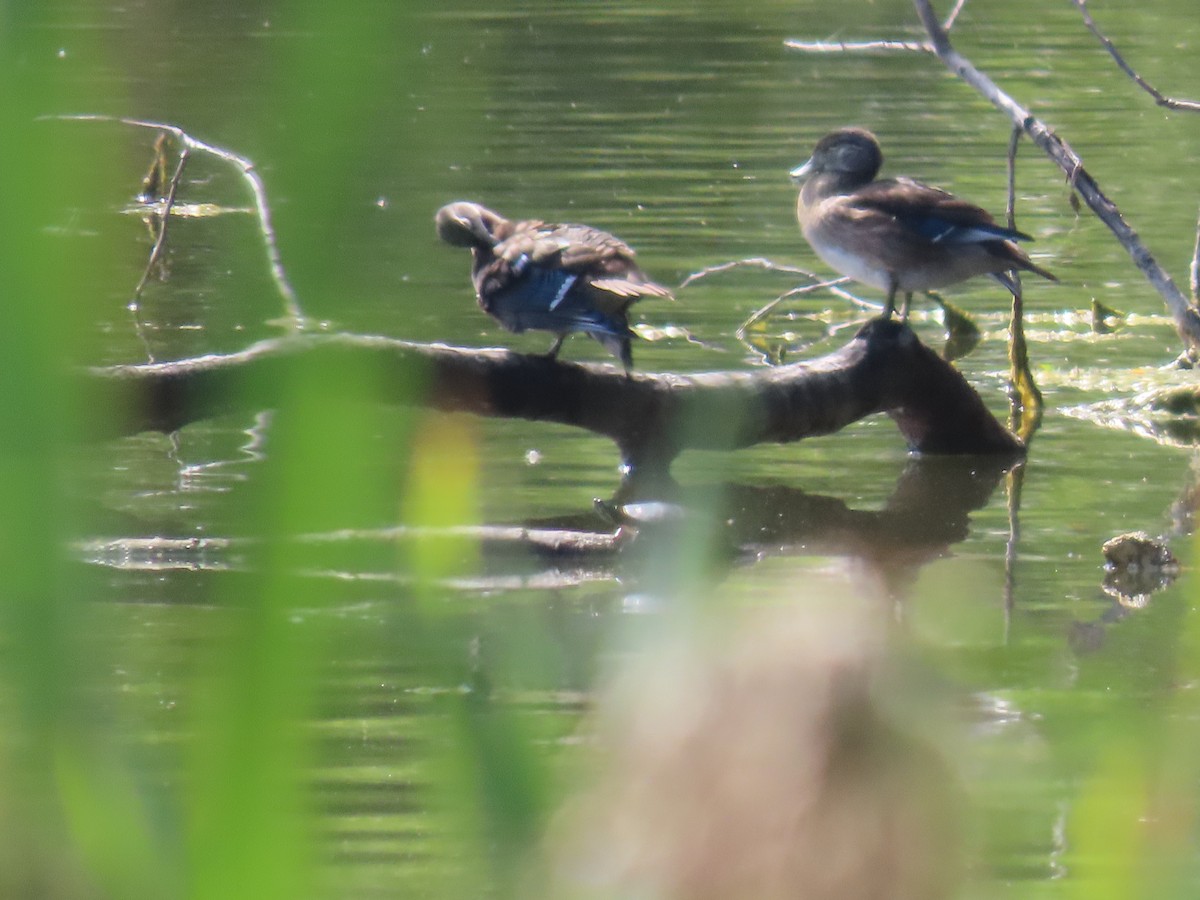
897 234
546 277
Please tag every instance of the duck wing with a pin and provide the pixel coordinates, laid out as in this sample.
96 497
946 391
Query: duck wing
936 215
578 248
603 261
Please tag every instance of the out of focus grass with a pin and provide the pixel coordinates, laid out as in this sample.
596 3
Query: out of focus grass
69 823
79 815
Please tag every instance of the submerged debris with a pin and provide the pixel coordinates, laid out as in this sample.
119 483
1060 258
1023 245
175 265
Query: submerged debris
1105 319
1137 565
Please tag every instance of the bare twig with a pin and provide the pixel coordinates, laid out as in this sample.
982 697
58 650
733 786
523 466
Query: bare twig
873 46
160 241
1187 319
1010 206
762 312
857 46
948 22
760 262
1195 269
1159 98
293 315
1014 481
832 287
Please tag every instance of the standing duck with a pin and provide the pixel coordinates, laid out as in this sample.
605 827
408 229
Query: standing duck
556 278
897 234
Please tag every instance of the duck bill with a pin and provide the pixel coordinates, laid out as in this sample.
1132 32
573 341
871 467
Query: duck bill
801 172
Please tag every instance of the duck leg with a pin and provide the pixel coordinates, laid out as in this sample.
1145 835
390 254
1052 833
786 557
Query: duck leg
627 357
904 306
556 346
890 306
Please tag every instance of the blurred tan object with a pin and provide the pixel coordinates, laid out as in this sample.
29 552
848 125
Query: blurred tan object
1137 566
754 763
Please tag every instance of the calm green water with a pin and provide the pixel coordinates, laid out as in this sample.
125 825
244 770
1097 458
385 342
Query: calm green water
672 124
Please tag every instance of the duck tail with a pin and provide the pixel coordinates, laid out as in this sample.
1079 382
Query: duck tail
1031 266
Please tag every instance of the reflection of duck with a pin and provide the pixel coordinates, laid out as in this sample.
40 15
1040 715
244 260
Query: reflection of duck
897 234
557 278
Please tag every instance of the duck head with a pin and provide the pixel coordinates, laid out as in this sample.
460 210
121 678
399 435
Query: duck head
849 157
466 224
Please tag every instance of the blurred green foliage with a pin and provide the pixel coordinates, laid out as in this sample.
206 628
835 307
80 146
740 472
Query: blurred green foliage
227 811
101 796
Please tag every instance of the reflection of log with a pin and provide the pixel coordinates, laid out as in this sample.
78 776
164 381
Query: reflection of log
928 511
652 418
721 525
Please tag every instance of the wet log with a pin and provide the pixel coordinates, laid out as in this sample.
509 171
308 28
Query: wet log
651 417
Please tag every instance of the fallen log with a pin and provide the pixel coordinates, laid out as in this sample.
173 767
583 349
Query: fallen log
651 417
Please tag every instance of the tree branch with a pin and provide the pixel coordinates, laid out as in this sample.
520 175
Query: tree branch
1159 98
857 46
874 46
1194 271
294 316
1187 319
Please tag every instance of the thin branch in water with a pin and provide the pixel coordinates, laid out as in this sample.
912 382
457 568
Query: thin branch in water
164 216
832 287
857 46
1026 405
1159 98
158 195
758 262
1014 481
761 313
948 22
873 46
293 315
1195 270
1010 206
761 262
